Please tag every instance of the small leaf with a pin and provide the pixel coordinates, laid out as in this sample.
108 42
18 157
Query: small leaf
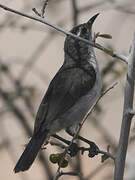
104 158
106 36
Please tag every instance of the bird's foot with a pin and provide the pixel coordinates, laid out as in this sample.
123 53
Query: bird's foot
73 149
93 150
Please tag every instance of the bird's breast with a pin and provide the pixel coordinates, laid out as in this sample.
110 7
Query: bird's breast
77 112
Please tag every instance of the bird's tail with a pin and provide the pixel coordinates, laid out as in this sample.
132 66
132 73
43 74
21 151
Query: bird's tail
30 152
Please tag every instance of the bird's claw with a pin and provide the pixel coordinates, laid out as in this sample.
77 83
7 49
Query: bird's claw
94 150
73 149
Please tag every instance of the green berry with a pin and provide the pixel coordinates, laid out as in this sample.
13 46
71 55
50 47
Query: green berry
63 164
54 158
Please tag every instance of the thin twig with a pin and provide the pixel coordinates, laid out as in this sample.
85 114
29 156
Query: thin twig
102 94
96 45
72 173
107 154
45 2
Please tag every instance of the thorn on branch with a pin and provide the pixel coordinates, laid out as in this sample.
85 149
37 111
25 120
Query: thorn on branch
45 2
131 112
36 12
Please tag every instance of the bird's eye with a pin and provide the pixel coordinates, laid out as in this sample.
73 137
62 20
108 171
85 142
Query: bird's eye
84 30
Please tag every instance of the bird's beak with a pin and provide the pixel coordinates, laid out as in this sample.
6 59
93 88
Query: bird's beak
91 21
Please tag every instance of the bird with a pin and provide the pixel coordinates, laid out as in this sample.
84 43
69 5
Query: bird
70 95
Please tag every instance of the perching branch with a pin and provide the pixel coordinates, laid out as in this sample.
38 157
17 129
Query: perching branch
77 148
127 117
96 45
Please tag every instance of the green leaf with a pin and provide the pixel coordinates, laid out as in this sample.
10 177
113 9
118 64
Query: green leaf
106 36
104 158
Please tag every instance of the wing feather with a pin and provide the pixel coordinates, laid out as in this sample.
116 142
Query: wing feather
65 89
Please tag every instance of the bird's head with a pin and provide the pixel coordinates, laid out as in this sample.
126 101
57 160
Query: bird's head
84 30
75 49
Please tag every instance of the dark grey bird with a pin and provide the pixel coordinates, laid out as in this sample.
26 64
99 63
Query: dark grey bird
70 95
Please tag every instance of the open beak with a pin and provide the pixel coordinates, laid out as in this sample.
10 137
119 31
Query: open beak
91 21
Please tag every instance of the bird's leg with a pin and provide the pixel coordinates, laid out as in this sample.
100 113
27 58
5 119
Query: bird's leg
94 149
61 139
73 148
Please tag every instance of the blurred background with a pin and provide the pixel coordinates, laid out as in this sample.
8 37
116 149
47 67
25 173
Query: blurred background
30 55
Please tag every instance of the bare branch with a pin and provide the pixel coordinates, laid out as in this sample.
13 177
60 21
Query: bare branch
107 154
91 110
127 118
96 45
72 173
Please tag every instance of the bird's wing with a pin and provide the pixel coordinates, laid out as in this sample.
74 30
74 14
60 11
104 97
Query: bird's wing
65 89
